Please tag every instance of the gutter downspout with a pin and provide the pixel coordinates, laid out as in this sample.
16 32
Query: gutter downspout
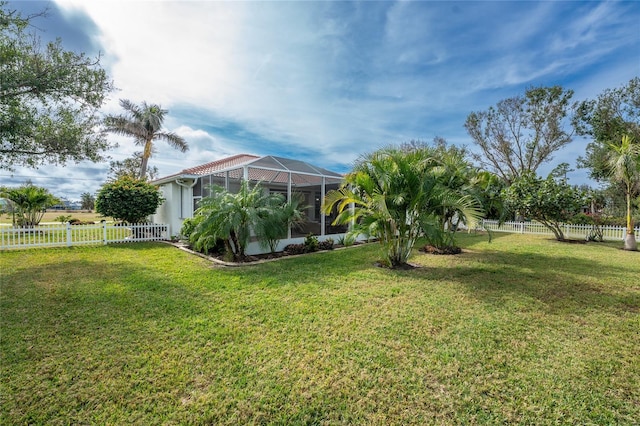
182 184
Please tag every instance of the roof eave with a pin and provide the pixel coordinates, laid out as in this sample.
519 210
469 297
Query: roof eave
173 178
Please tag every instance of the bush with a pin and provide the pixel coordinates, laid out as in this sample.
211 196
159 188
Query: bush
311 243
189 225
75 221
614 221
64 219
581 219
347 240
128 199
326 244
295 249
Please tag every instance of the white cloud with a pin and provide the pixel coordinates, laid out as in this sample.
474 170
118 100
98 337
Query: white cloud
337 79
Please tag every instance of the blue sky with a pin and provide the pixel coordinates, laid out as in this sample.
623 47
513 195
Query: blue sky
328 81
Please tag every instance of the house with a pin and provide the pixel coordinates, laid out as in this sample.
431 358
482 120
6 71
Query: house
182 191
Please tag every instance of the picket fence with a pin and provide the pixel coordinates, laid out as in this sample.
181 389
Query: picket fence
612 233
61 235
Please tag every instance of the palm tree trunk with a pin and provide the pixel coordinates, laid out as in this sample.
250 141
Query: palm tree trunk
629 217
630 242
145 159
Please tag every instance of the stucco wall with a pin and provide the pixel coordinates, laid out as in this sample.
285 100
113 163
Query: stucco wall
178 205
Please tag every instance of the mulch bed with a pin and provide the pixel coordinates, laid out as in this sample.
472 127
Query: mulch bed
448 250
249 259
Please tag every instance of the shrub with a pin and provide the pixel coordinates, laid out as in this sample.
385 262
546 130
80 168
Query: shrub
64 219
128 199
326 244
311 243
581 219
347 240
74 221
295 249
189 225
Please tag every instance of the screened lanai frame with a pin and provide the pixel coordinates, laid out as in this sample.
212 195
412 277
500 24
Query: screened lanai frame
279 175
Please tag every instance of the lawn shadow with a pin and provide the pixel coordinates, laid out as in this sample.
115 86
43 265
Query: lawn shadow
95 296
559 283
312 268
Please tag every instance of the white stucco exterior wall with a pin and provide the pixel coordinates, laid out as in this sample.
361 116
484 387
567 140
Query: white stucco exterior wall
177 205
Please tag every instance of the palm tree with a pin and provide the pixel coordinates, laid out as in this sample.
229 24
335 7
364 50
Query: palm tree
276 222
395 195
144 124
624 165
29 203
456 174
487 188
231 217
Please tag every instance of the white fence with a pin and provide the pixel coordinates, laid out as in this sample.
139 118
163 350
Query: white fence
71 235
613 233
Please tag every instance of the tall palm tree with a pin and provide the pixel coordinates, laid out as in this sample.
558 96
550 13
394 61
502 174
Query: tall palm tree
144 124
624 165
395 195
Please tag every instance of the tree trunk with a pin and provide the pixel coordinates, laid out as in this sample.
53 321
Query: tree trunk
559 234
630 242
143 168
145 159
555 228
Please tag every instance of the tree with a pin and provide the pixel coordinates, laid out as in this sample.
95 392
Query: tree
28 203
49 99
144 124
274 227
521 133
624 164
547 201
130 167
455 173
614 114
454 170
87 201
487 188
613 122
560 171
129 200
232 216
394 195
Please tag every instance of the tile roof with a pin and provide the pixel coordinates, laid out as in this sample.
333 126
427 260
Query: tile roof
225 163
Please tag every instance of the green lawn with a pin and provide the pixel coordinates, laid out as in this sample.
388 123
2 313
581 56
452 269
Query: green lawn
520 330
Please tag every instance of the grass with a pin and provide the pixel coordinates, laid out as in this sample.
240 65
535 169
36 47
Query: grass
520 330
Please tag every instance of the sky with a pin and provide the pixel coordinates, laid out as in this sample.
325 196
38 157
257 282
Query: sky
328 81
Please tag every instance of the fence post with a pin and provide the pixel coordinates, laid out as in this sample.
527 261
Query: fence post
566 230
104 231
522 227
69 234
